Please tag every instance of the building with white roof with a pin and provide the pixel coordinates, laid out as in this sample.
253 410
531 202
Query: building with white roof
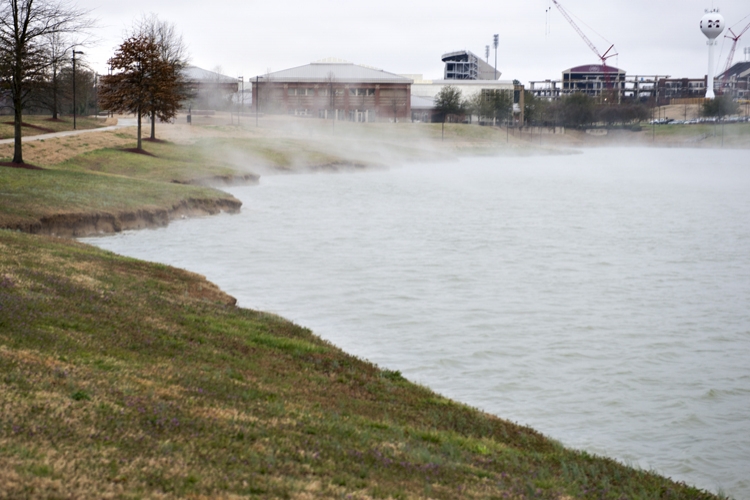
337 89
209 89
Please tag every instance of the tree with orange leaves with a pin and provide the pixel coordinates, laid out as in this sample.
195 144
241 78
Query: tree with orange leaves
143 82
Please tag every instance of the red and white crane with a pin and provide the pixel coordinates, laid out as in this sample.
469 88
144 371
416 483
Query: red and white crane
602 57
735 38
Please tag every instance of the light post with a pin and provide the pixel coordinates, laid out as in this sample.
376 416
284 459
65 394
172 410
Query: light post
241 79
495 42
256 98
74 85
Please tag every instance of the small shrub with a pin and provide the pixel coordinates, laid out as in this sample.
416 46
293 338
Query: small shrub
80 395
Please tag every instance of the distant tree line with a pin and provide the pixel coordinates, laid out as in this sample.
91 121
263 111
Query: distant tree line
38 42
579 110
489 106
36 39
576 110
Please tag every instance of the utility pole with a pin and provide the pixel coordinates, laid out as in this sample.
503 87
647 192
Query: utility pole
74 85
495 42
241 80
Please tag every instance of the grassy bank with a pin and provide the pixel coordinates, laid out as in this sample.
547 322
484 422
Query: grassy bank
125 379
68 202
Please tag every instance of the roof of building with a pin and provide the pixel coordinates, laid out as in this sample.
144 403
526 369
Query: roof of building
419 102
739 70
196 74
469 83
339 70
594 68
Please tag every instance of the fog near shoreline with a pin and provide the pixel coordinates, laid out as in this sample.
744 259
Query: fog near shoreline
281 144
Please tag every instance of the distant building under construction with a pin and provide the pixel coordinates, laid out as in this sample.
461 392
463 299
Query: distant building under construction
465 65
735 82
597 80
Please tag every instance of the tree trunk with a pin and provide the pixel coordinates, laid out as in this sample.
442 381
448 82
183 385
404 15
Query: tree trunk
140 144
54 95
17 121
153 125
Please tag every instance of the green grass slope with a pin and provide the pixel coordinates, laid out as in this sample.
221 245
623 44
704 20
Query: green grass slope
124 379
28 198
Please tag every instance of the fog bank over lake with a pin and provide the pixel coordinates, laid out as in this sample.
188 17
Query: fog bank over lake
602 298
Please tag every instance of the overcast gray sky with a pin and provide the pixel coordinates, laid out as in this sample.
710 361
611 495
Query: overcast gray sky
248 38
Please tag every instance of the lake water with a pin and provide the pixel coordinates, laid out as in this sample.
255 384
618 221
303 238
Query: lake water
602 298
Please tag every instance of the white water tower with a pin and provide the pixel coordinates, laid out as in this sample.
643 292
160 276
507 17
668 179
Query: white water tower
712 25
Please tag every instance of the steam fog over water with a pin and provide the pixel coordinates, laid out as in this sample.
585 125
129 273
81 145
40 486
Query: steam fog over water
602 298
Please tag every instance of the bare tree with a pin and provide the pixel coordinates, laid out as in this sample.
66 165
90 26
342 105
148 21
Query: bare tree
172 51
24 28
58 47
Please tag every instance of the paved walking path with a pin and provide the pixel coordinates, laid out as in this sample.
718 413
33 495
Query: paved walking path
121 123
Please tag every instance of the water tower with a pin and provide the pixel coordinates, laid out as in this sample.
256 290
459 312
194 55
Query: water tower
712 25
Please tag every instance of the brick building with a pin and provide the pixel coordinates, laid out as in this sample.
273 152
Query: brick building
334 89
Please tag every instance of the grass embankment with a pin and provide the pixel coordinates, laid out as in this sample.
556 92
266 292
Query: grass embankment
126 379
704 134
36 125
105 189
92 183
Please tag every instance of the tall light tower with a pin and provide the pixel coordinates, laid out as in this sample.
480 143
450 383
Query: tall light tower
495 42
712 25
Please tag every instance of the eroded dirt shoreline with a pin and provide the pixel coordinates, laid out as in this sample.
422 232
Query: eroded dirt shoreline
76 225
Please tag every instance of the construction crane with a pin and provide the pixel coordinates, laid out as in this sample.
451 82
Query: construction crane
735 38
602 57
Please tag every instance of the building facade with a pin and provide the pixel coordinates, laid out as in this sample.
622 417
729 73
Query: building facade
465 65
334 89
735 82
598 80
593 79
209 90
670 90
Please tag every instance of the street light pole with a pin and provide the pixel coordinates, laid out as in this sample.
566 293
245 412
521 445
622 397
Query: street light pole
74 85
242 96
495 42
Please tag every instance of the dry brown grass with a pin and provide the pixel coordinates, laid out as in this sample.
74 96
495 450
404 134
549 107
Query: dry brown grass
52 151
